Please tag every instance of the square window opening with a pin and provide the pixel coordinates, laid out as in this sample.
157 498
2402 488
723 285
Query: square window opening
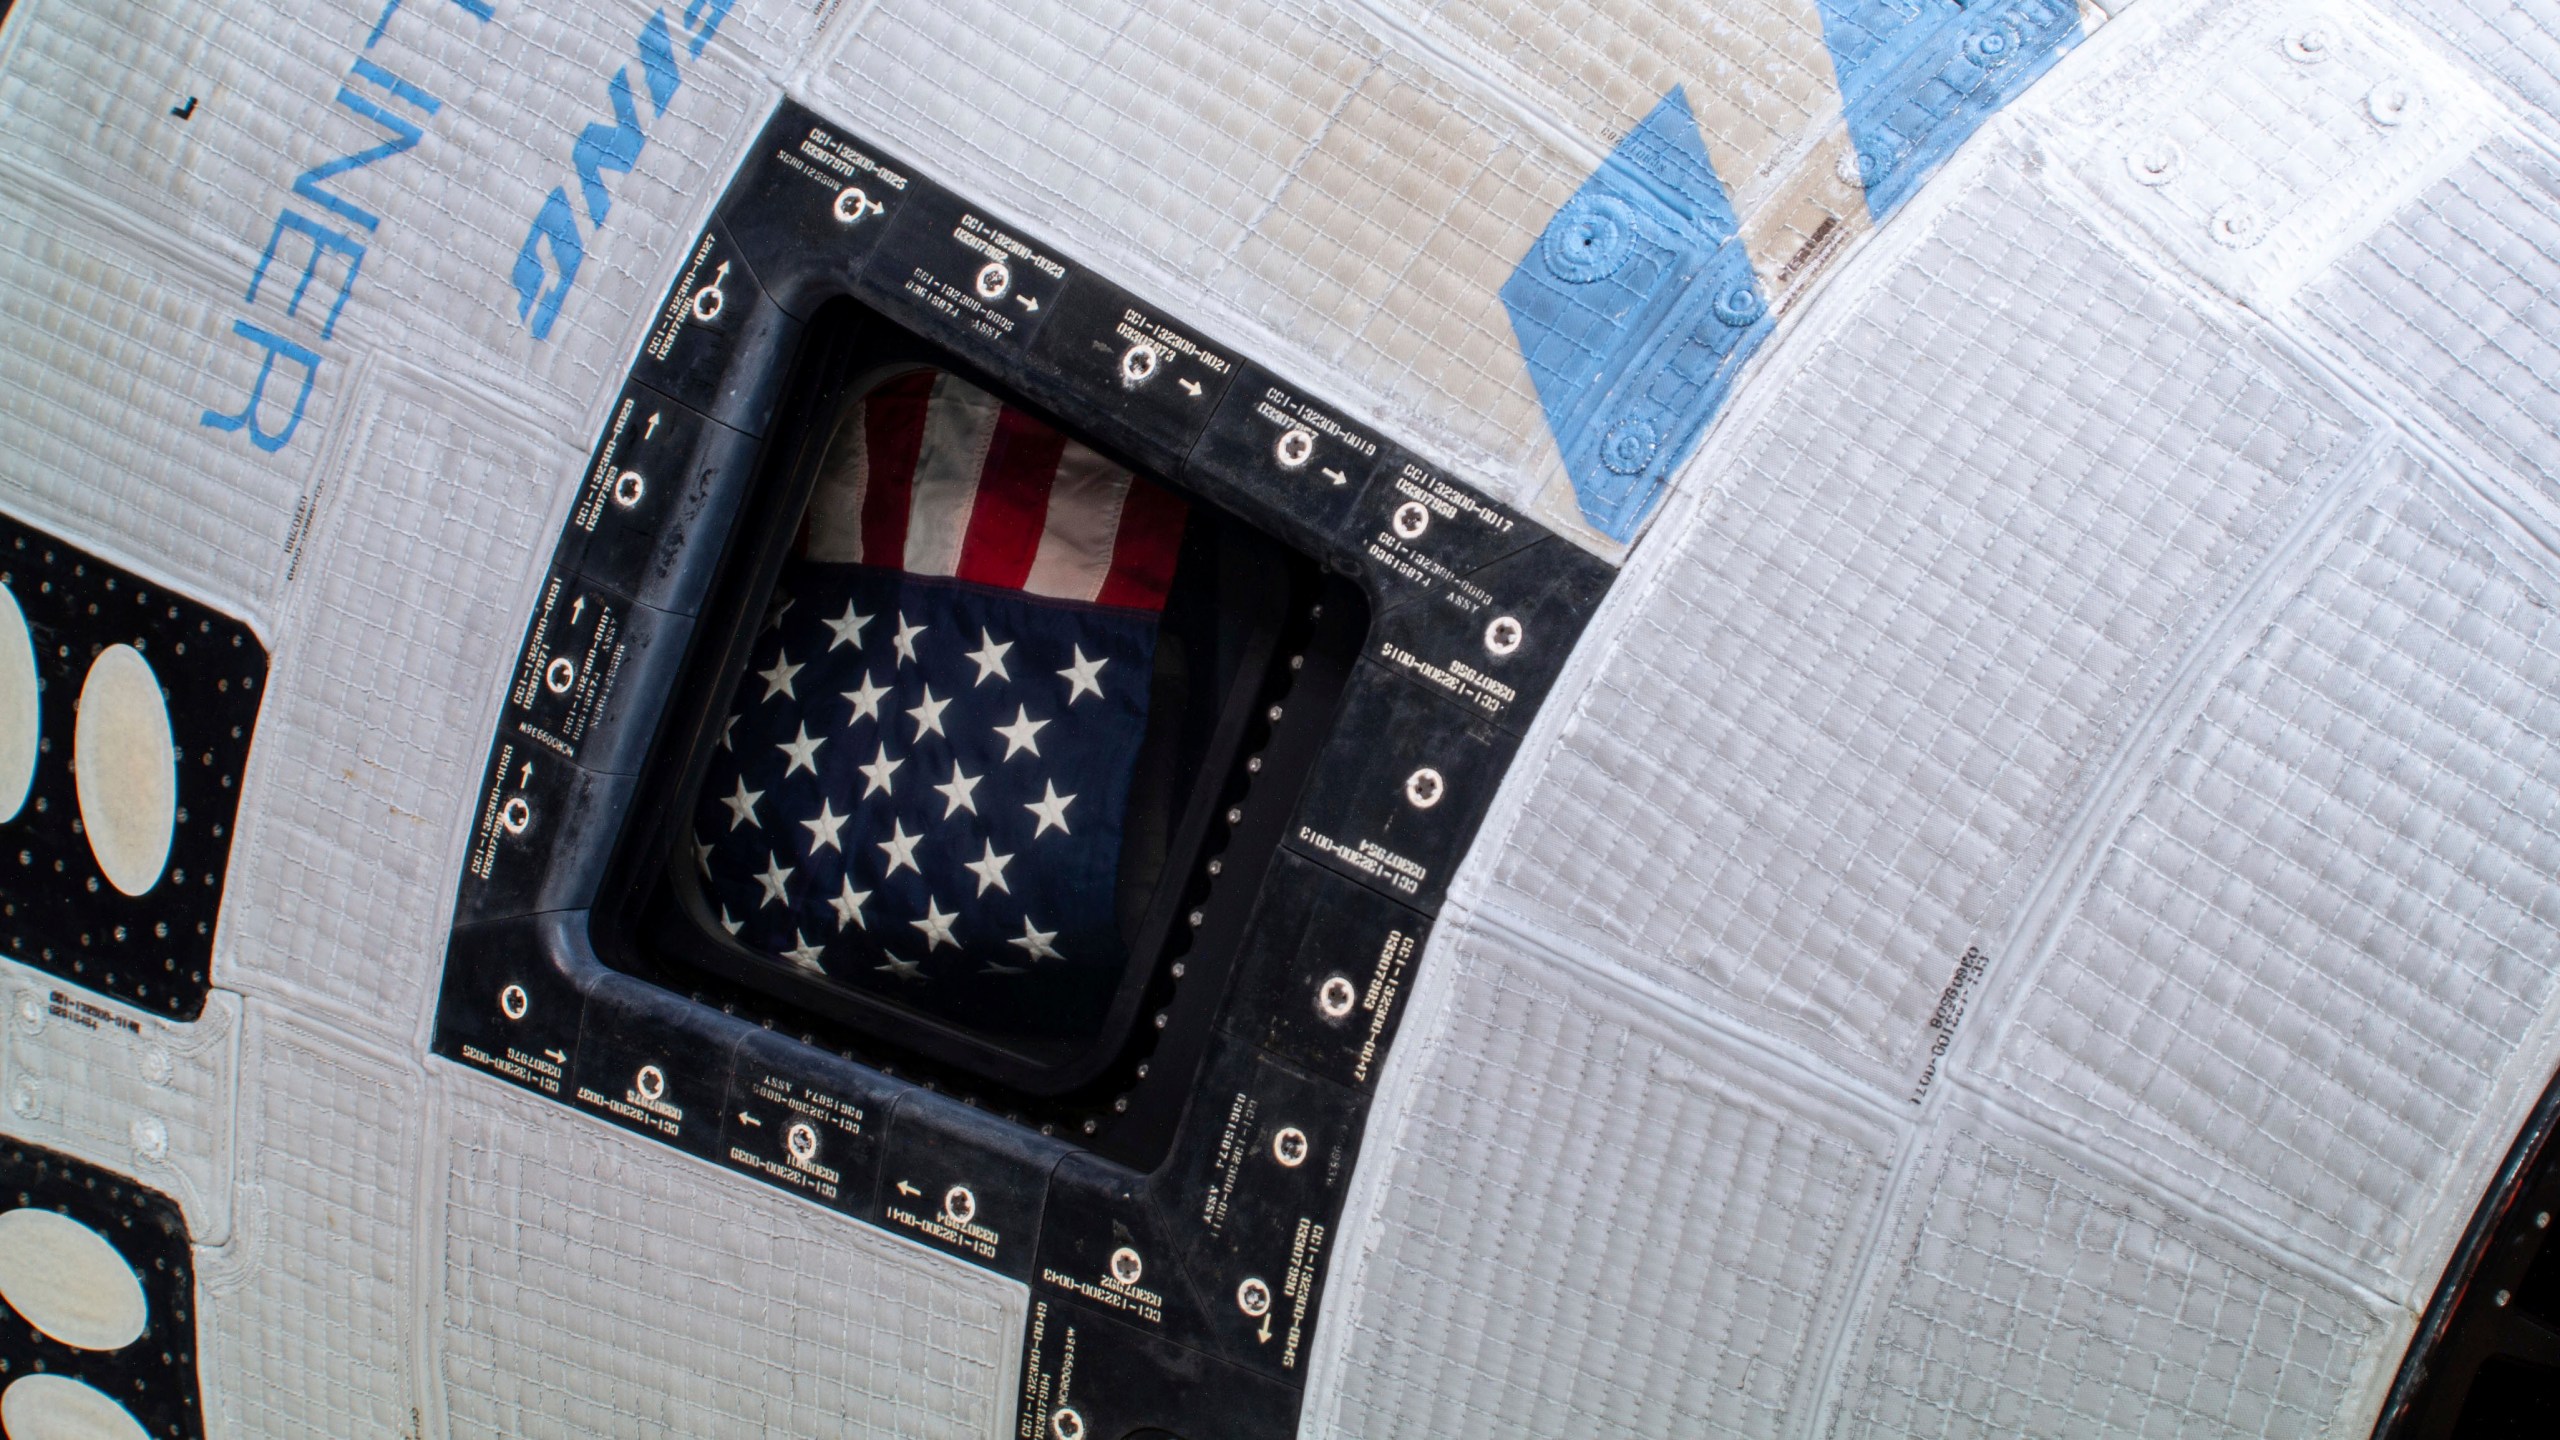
986 739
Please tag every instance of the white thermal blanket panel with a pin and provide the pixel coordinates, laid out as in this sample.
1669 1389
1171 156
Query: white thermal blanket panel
309 1318
110 362
375 724
2295 984
2026 1295
2457 298
1845 712
2516 43
1299 181
1593 1232
596 1286
119 1087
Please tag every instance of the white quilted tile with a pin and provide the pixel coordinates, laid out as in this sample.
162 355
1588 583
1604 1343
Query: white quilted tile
133 1092
1845 714
2254 141
308 1320
512 96
1287 177
378 715
1757 73
2458 298
2297 987
1587 1227
2027 1296
114 353
448 298
596 1285
2515 42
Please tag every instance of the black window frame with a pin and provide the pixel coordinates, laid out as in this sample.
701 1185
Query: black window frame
1173 1285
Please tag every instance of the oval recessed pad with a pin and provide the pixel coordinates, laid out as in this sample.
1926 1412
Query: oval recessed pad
69 1281
21 718
55 1407
125 763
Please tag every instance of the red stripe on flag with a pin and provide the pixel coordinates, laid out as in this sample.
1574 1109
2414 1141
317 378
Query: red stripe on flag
1013 501
1150 538
894 425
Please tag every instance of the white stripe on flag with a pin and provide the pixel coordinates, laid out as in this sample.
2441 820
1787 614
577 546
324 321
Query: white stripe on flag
959 426
835 508
1082 528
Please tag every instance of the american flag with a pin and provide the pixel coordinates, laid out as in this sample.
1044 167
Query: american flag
922 782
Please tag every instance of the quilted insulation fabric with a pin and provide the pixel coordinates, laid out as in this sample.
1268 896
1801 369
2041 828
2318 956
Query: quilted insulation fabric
2030 912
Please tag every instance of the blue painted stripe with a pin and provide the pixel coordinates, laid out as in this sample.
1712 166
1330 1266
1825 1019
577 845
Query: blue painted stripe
1633 310
1638 304
1919 76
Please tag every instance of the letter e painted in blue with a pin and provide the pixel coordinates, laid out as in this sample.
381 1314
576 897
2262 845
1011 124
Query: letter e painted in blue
323 241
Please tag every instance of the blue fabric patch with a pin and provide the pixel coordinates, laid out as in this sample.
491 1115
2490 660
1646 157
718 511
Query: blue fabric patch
1633 310
1918 76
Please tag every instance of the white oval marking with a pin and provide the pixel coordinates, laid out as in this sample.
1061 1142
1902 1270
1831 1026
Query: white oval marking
70 1282
124 765
55 1407
19 717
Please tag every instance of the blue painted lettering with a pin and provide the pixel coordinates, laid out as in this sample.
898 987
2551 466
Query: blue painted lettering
326 255
546 265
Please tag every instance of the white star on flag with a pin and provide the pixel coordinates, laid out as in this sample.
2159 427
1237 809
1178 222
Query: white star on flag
1051 808
805 955
848 905
906 641
989 658
822 830
732 926
866 700
848 627
777 681
1036 942
928 716
1018 735
936 926
900 847
902 968
989 868
1083 677
742 805
775 876
877 773
961 794
803 752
